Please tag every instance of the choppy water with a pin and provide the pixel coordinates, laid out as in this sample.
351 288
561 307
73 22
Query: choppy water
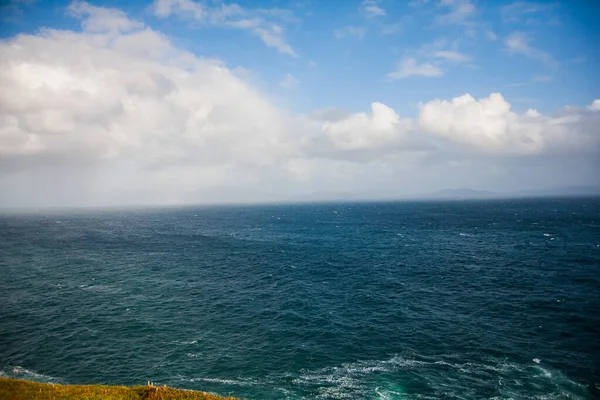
455 300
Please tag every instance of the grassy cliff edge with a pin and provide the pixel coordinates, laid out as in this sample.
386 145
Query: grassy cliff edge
16 389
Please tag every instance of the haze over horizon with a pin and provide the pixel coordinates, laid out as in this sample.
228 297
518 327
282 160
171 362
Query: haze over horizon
181 101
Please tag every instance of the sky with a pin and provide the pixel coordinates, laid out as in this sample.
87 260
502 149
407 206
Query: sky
182 102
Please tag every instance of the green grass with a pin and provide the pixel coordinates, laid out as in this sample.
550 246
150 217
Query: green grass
16 389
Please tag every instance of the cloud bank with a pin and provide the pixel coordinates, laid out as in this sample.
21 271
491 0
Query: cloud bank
117 114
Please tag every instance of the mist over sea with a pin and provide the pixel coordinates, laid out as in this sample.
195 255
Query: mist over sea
490 299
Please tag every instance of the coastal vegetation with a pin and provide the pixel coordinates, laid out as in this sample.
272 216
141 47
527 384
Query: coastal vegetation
16 389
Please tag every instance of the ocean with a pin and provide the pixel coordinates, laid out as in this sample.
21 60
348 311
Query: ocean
494 299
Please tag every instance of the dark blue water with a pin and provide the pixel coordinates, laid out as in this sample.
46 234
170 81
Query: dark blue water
452 300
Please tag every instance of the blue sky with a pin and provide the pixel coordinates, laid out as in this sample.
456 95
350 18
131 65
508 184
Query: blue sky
183 100
350 70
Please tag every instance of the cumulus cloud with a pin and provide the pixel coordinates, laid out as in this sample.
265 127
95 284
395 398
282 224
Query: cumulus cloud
595 106
381 128
489 124
116 113
68 94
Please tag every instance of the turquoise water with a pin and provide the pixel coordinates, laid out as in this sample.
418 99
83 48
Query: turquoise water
448 300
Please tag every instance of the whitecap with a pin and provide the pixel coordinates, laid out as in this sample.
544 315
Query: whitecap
385 395
544 372
100 289
23 373
224 381
353 380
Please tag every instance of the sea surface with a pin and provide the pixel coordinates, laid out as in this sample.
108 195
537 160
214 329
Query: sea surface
409 300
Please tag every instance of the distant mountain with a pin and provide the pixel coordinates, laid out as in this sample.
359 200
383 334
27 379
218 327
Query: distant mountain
562 191
464 194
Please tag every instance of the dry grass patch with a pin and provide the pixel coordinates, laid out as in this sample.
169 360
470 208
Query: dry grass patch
16 389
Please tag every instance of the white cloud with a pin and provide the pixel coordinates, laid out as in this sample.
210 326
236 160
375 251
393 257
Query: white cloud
453 56
98 96
371 9
289 82
443 52
382 127
530 13
118 114
489 124
350 31
410 67
233 16
101 19
272 36
491 35
595 106
460 12
436 55
165 8
518 43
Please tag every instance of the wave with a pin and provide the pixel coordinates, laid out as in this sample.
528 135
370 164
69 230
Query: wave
395 378
225 381
19 372
416 378
100 289
186 342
